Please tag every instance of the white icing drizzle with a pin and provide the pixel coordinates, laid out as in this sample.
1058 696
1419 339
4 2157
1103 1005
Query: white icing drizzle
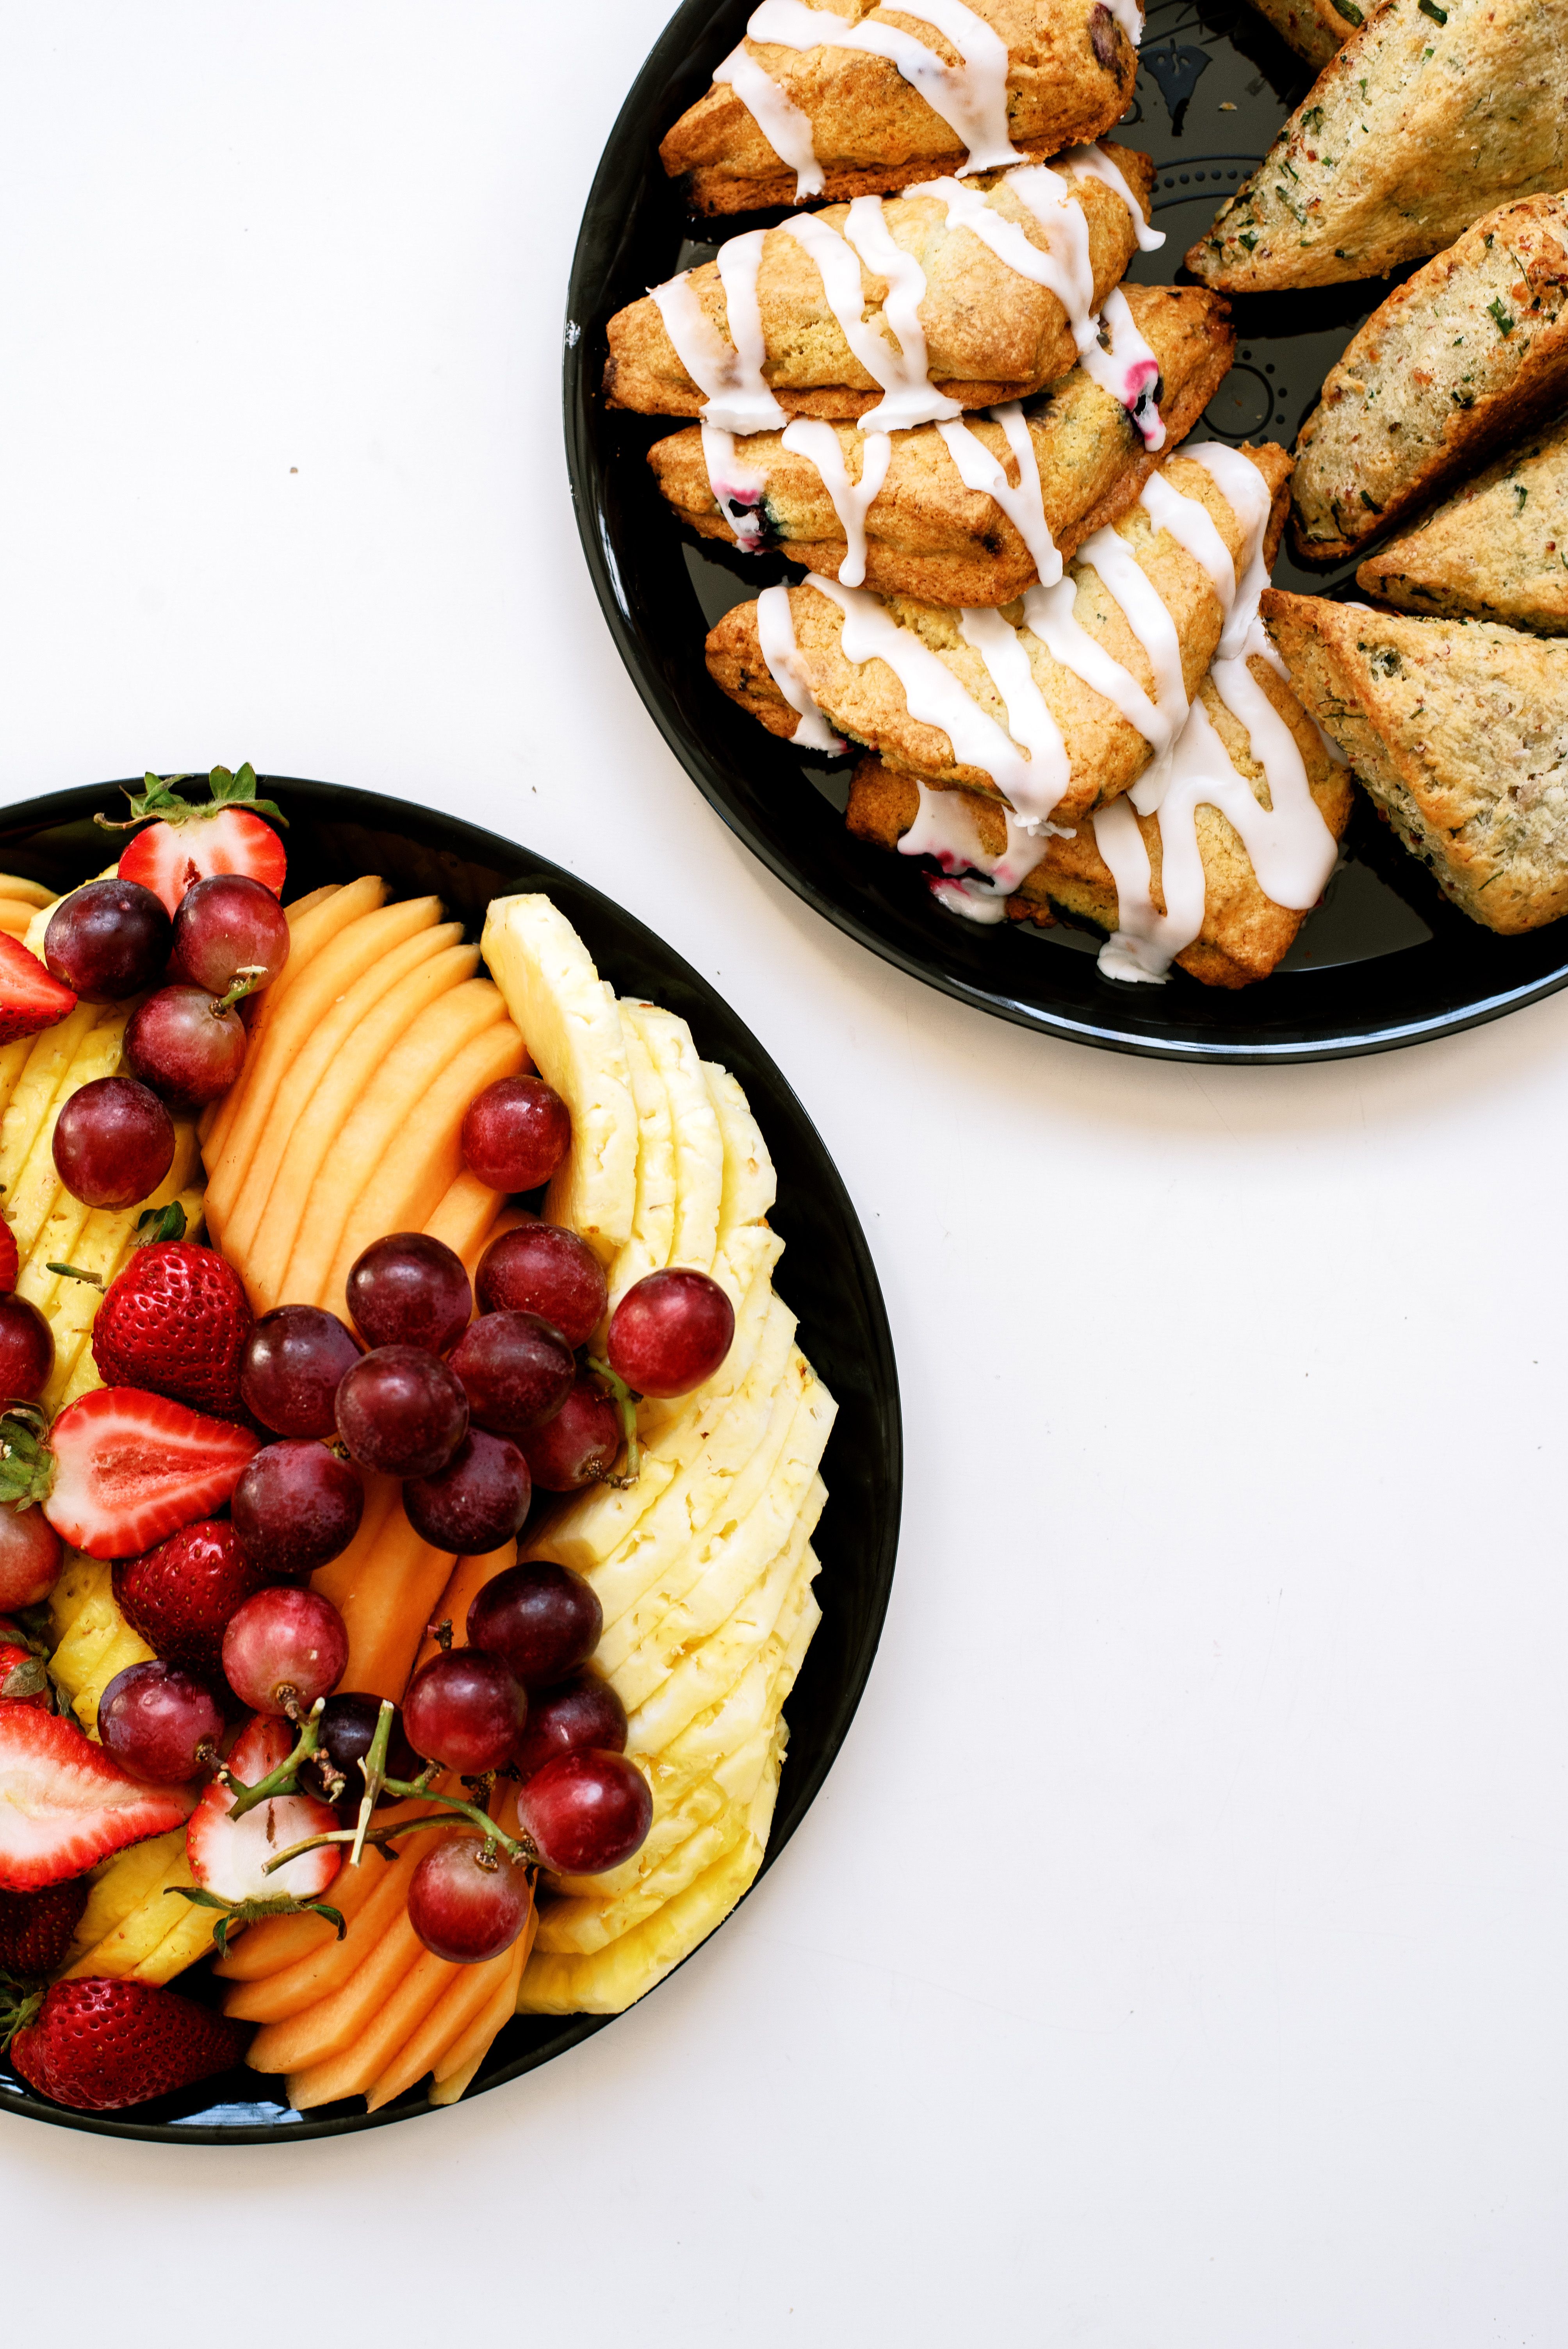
931 691
1129 369
775 635
738 400
1066 268
1244 488
1024 506
1048 615
786 126
1093 163
821 446
1030 720
972 882
1130 17
970 97
1192 528
738 490
911 397
1143 608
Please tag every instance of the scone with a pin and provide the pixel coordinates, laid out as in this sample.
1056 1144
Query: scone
1429 116
924 531
1315 29
969 305
852 100
1496 549
1459 731
1463 357
1056 705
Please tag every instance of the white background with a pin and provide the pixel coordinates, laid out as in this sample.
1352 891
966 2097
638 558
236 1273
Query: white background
1179 1954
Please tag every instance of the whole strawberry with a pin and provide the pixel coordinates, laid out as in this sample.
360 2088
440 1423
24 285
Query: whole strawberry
107 2041
36 1928
179 1596
176 1322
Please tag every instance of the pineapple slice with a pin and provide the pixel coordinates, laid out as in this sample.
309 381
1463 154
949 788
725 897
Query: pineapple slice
653 1214
698 1140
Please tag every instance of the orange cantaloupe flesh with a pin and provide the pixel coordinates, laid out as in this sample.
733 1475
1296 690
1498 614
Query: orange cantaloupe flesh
464 1218
311 928
472 1989
353 2069
323 1970
456 2070
383 1588
274 1944
333 2023
392 1098
468 1578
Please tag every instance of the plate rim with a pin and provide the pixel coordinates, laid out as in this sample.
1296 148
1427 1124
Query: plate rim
478 843
605 211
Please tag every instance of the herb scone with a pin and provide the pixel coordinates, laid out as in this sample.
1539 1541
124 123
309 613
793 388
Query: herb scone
854 124
1459 731
1463 356
1429 116
1315 29
1496 549
929 535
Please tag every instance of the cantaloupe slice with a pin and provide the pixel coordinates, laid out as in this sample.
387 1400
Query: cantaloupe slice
353 2069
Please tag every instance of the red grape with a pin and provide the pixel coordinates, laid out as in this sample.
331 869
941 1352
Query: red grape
344 1735
294 1361
30 1554
516 1370
226 925
114 1142
465 1711
26 1351
465 1905
579 1443
586 1812
285 1647
583 1712
410 1290
478 1500
516 1134
296 1506
107 941
401 1410
671 1331
545 1269
185 1047
544 1619
160 1722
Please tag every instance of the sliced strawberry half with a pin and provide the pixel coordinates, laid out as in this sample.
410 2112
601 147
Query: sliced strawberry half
30 999
10 1258
187 843
228 1855
131 1468
65 1806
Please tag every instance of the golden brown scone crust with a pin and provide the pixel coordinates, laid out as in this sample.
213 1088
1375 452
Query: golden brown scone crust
1459 731
1465 355
1412 131
1070 75
1315 29
1498 549
1245 933
927 534
1106 754
990 334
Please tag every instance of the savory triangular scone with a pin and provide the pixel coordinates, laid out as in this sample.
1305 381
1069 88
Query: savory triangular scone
1315 29
1429 116
1056 705
1498 549
930 531
1459 729
1459 359
974 293
1217 921
845 97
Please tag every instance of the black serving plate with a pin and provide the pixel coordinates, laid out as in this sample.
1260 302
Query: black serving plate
827 1276
1384 960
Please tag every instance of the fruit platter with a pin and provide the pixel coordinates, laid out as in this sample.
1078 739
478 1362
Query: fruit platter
437 1563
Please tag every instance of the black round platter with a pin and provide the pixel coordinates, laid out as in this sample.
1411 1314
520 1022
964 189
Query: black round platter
826 1274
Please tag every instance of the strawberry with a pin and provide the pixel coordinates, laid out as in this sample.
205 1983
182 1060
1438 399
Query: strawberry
187 842
30 999
227 1856
10 1259
180 1597
176 1322
122 1470
36 1928
107 2041
65 1806
23 1677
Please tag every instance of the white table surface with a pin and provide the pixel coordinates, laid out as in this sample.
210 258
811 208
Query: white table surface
1178 1956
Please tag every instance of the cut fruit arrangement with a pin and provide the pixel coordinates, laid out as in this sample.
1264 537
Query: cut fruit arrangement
402 1587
